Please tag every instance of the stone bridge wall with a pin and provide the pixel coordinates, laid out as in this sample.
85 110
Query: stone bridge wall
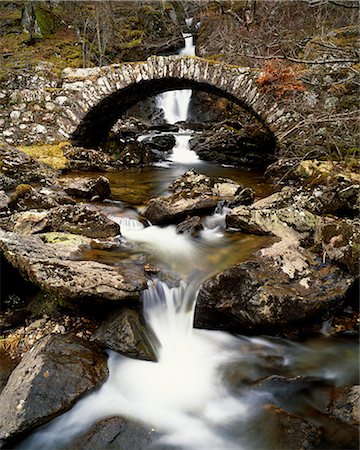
43 107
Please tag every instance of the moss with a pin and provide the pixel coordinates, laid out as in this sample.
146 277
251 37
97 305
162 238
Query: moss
56 237
44 20
49 154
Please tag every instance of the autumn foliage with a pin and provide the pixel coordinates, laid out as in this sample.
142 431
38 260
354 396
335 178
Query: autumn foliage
278 79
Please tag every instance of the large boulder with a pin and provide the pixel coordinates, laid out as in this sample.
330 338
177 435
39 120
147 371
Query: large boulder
281 287
88 188
79 219
50 378
173 209
22 168
116 433
51 267
195 182
125 332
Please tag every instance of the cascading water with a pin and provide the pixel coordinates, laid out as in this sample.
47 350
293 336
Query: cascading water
190 394
175 107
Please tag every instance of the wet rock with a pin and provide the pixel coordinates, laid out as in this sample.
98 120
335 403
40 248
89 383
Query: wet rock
51 268
104 244
340 241
286 431
88 188
227 145
125 332
345 405
283 286
192 181
26 197
172 209
166 127
21 167
79 219
243 196
136 154
48 381
191 226
162 143
116 433
342 429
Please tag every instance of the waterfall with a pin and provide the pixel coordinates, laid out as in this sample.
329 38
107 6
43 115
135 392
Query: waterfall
175 104
182 394
181 152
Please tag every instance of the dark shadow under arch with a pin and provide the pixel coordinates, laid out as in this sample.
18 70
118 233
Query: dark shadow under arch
97 123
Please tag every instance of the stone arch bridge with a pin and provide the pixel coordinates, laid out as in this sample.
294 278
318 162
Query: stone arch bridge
97 97
82 105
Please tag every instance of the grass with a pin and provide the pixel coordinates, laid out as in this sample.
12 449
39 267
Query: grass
10 342
50 154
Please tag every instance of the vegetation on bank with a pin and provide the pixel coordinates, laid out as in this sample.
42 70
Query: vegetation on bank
49 154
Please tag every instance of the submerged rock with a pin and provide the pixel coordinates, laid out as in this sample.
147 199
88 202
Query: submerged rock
116 433
88 187
125 332
51 377
51 268
284 431
284 286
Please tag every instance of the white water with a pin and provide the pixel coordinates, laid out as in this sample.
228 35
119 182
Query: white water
181 151
175 104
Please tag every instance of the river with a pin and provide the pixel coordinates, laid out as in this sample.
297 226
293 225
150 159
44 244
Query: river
207 390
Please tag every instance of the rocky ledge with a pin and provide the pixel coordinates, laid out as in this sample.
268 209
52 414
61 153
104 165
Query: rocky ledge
52 268
51 377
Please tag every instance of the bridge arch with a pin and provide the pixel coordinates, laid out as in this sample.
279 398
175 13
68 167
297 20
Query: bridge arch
98 97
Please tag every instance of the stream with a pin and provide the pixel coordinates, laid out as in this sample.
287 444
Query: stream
209 389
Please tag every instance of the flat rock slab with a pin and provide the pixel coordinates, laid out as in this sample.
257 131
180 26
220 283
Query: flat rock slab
50 378
50 267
